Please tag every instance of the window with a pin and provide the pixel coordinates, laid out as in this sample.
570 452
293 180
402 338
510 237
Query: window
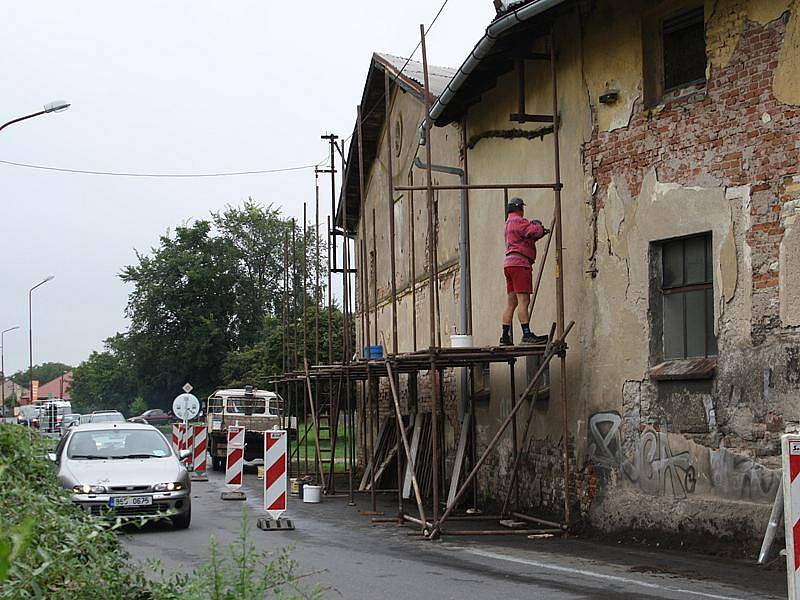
674 49
684 49
687 290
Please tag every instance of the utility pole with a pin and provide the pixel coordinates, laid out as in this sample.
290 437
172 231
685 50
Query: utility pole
3 369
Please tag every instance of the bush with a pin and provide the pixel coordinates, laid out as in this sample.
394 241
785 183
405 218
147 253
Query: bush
49 547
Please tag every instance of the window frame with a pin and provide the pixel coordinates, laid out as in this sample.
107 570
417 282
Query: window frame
654 80
684 290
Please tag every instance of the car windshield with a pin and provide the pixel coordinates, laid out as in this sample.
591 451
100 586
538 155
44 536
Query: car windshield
108 418
117 443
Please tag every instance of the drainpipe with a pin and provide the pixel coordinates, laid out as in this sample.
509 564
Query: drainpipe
463 265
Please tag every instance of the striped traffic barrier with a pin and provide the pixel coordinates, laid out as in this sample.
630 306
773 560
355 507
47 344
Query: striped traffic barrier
188 444
275 473
199 448
177 437
234 464
275 463
791 510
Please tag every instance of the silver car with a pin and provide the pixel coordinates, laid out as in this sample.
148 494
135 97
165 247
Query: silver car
124 469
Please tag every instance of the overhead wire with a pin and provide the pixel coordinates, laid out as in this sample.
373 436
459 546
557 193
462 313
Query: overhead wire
153 175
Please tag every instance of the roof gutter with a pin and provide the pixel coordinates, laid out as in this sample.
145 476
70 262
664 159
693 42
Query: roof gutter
496 29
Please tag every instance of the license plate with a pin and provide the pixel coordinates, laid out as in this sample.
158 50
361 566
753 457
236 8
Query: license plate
120 501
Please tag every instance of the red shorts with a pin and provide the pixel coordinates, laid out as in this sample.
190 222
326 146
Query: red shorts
519 280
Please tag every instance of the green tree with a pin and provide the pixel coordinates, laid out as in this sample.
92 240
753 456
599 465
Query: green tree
138 406
42 373
106 380
182 308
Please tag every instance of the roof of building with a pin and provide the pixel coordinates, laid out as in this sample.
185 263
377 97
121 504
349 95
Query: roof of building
56 388
507 36
408 74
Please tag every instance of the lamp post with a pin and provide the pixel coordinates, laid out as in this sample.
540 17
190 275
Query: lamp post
50 107
30 336
3 369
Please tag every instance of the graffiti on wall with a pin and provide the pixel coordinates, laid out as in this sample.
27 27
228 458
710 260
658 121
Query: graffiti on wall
740 477
647 459
657 469
605 441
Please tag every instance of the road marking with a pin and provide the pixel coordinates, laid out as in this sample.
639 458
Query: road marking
585 573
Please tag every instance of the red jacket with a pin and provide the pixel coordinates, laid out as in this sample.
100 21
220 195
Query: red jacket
521 236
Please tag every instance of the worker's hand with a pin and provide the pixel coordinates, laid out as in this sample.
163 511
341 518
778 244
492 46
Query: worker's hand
540 224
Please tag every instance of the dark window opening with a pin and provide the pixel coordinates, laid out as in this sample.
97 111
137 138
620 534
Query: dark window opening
687 288
684 49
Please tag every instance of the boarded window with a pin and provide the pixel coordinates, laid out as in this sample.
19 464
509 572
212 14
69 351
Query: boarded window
687 289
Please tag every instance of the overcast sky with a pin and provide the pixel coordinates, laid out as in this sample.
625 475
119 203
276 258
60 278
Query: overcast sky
170 87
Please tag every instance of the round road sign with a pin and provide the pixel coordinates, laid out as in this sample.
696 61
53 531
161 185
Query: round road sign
186 406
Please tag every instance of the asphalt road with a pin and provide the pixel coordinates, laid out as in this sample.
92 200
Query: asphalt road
355 558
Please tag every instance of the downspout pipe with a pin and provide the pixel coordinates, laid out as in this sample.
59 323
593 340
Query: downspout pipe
463 265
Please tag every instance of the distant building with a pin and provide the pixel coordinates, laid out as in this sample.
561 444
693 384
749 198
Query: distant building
57 388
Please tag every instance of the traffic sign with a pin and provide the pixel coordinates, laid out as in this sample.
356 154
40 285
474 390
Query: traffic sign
187 387
186 406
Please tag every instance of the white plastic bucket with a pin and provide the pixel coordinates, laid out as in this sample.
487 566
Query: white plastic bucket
460 341
312 494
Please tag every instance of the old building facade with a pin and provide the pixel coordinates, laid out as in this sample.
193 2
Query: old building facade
679 157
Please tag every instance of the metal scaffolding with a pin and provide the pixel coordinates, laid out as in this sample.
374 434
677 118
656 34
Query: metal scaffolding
325 391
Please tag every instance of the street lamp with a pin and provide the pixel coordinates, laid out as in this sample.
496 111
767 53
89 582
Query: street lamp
3 369
30 336
50 107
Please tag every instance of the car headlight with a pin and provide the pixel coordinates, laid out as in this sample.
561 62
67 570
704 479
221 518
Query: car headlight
88 489
167 487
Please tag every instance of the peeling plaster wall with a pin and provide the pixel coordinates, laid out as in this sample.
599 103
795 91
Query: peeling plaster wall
722 158
686 457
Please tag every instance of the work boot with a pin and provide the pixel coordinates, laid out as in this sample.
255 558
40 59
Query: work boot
505 340
532 338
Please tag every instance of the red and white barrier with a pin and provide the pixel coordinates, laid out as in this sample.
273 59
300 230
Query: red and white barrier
791 503
199 448
177 437
275 473
234 458
188 438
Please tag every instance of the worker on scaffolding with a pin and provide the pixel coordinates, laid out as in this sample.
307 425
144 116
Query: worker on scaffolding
520 235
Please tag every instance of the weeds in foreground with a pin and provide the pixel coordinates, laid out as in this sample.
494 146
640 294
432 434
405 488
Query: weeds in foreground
49 548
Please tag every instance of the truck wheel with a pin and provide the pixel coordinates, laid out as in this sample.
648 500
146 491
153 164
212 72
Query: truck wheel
216 463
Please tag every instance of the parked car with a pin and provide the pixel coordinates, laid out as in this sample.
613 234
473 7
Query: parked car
154 416
28 414
68 421
103 416
124 469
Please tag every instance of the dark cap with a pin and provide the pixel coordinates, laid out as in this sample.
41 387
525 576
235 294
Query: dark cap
515 204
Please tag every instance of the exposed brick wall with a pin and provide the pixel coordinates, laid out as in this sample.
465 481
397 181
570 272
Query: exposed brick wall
731 132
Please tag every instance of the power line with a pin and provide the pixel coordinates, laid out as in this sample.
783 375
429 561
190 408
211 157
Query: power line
403 68
157 175
225 173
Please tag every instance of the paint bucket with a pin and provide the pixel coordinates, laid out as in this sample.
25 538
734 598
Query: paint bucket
373 351
312 494
260 471
460 341
294 487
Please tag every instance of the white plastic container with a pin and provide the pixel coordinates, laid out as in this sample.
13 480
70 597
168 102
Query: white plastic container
312 494
460 341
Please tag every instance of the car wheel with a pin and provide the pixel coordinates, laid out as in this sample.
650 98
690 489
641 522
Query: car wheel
183 520
216 463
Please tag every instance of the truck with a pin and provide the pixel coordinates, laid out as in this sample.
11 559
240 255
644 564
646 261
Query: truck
255 410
